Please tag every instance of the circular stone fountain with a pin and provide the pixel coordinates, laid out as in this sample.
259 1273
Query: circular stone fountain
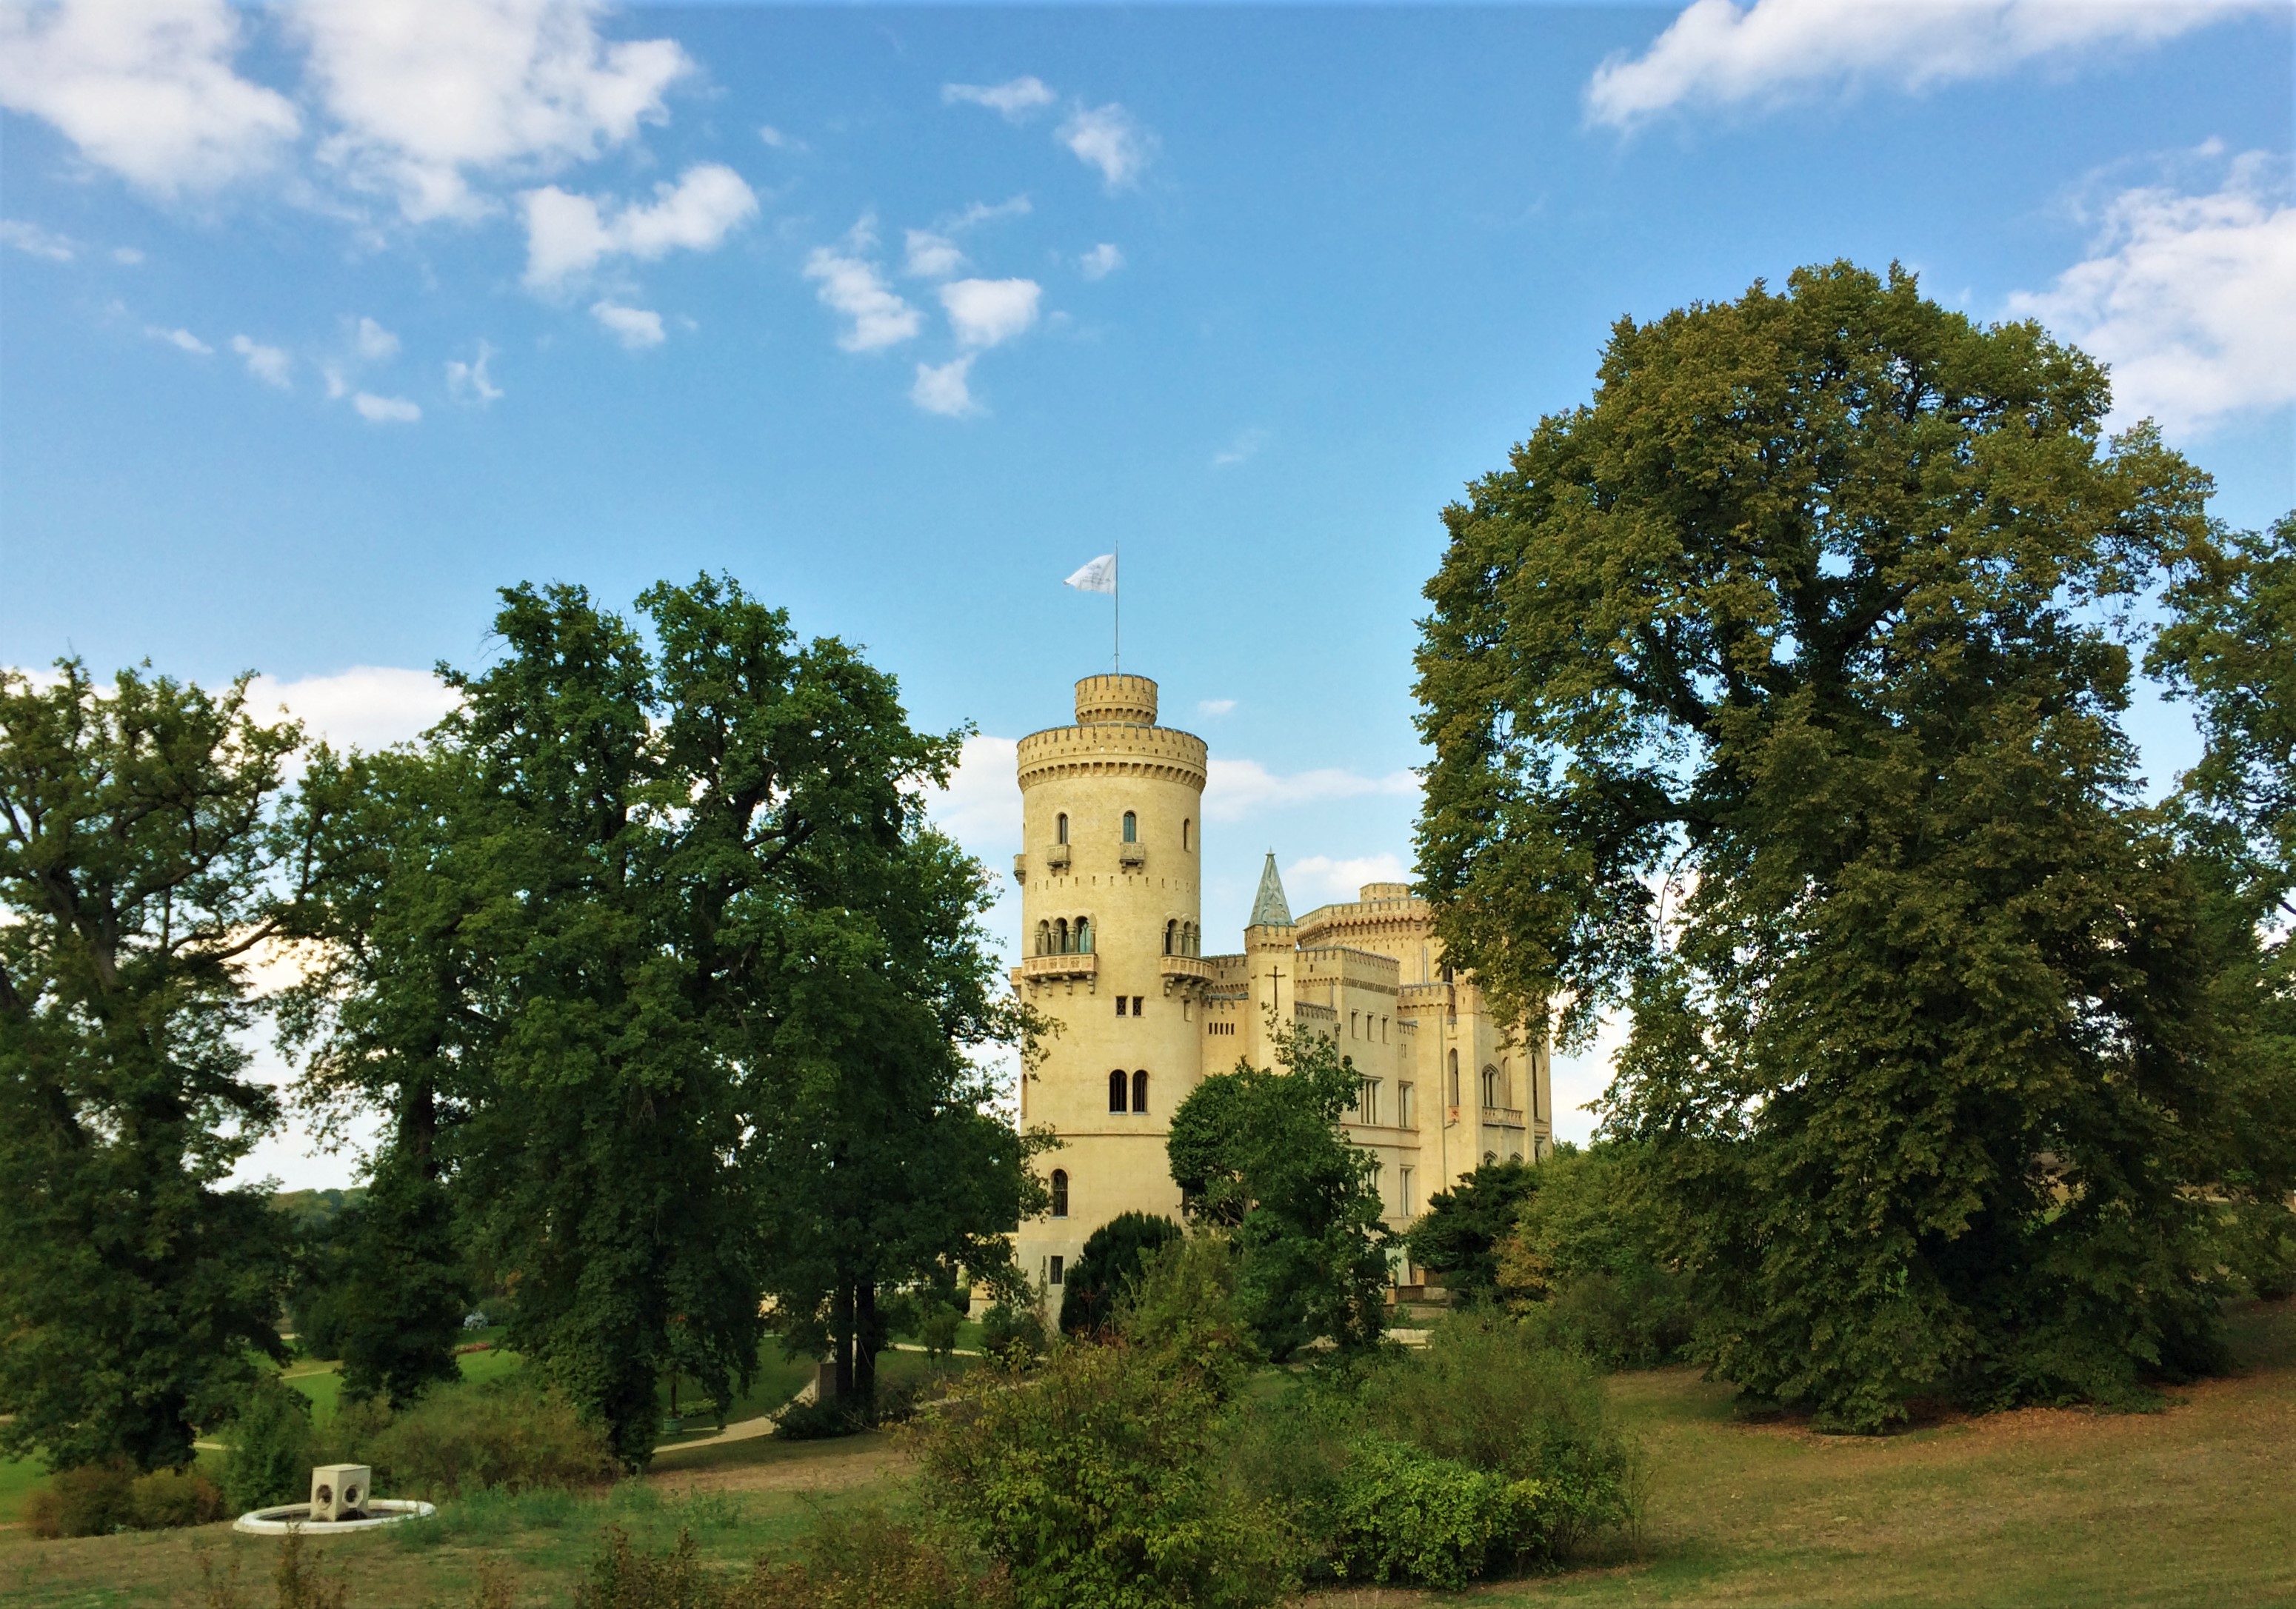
339 1502
297 1517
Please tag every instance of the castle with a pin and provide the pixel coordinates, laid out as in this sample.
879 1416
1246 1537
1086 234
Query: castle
1111 880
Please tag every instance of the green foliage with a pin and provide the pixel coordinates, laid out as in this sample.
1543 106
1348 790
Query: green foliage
170 1498
514 1433
147 846
1012 1332
1585 1266
668 988
1403 1514
1264 1154
1184 1310
1795 630
88 1499
1110 1261
379 1285
1459 1234
271 1448
869 1560
1092 1484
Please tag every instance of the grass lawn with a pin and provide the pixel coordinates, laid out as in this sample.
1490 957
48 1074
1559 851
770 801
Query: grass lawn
2194 1505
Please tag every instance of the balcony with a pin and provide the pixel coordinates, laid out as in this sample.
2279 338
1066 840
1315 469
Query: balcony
1020 868
1132 854
1049 968
1185 974
1057 857
1506 1117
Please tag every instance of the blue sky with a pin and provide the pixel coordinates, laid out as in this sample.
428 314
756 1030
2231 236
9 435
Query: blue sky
318 324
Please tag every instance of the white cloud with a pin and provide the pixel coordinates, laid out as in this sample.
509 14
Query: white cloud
368 707
2191 299
338 387
470 382
429 94
269 365
1319 880
775 140
1246 444
1237 788
932 255
854 287
1105 137
183 339
36 241
1718 53
980 808
1215 707
636 327
1101 261
127 255
146 89
385 410
375 343
945 388
986 312
569 234
1015 100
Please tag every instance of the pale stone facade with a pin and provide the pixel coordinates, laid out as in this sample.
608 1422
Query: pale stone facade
1111 881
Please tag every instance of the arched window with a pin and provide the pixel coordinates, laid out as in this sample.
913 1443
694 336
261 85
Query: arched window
1060 828
1489 1158
1139 1090
1044 938
1131 828
1060 1193
1060 936
1186 843
1454 1078
1171 937
1490 1086
1116 1091
1083 935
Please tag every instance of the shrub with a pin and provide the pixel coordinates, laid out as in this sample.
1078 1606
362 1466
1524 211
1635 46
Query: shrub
817 1421
507 1433
1014 1334
936 1328
1639 1319
272 1448
1402 1514
168 1497
90 1501
1587 1262
623 1576
1091 1484
870 1560
1483 1393
1112 1262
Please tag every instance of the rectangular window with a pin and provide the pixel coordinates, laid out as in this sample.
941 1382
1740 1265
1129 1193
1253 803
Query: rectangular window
1403 1183
1404 1116
1351 1025
1138 1001
1120 1004
1055 1274
1367 1100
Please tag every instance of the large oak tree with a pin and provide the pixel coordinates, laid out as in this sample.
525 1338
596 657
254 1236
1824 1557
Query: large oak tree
1776 694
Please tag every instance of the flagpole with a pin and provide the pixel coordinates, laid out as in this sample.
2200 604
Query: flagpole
1116 592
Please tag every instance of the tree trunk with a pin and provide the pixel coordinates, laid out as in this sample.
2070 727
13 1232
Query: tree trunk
840 1337
865 1345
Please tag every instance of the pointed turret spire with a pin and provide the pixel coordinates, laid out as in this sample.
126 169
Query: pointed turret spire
1270 910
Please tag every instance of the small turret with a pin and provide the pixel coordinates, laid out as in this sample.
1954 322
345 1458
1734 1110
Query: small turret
1270 908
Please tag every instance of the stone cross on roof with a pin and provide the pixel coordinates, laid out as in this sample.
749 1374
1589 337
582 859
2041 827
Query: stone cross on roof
1270 910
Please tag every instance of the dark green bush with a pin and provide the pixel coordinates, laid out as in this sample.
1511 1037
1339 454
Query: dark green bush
1639 1319
817 1421
508 1433
1587 1263
272 1448
91 1500
1014 1334
1112 1262
870 1560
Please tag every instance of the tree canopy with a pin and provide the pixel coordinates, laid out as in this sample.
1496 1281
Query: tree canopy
1459 1235
148 850
1263 1152
1775 695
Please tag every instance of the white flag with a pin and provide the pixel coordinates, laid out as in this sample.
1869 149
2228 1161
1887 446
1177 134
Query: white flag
1098 576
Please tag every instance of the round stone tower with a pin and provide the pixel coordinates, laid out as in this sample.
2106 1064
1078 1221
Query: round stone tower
1111 813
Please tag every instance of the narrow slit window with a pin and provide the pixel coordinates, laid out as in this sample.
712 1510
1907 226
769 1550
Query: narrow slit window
1060 828
1060 1193
1131 828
